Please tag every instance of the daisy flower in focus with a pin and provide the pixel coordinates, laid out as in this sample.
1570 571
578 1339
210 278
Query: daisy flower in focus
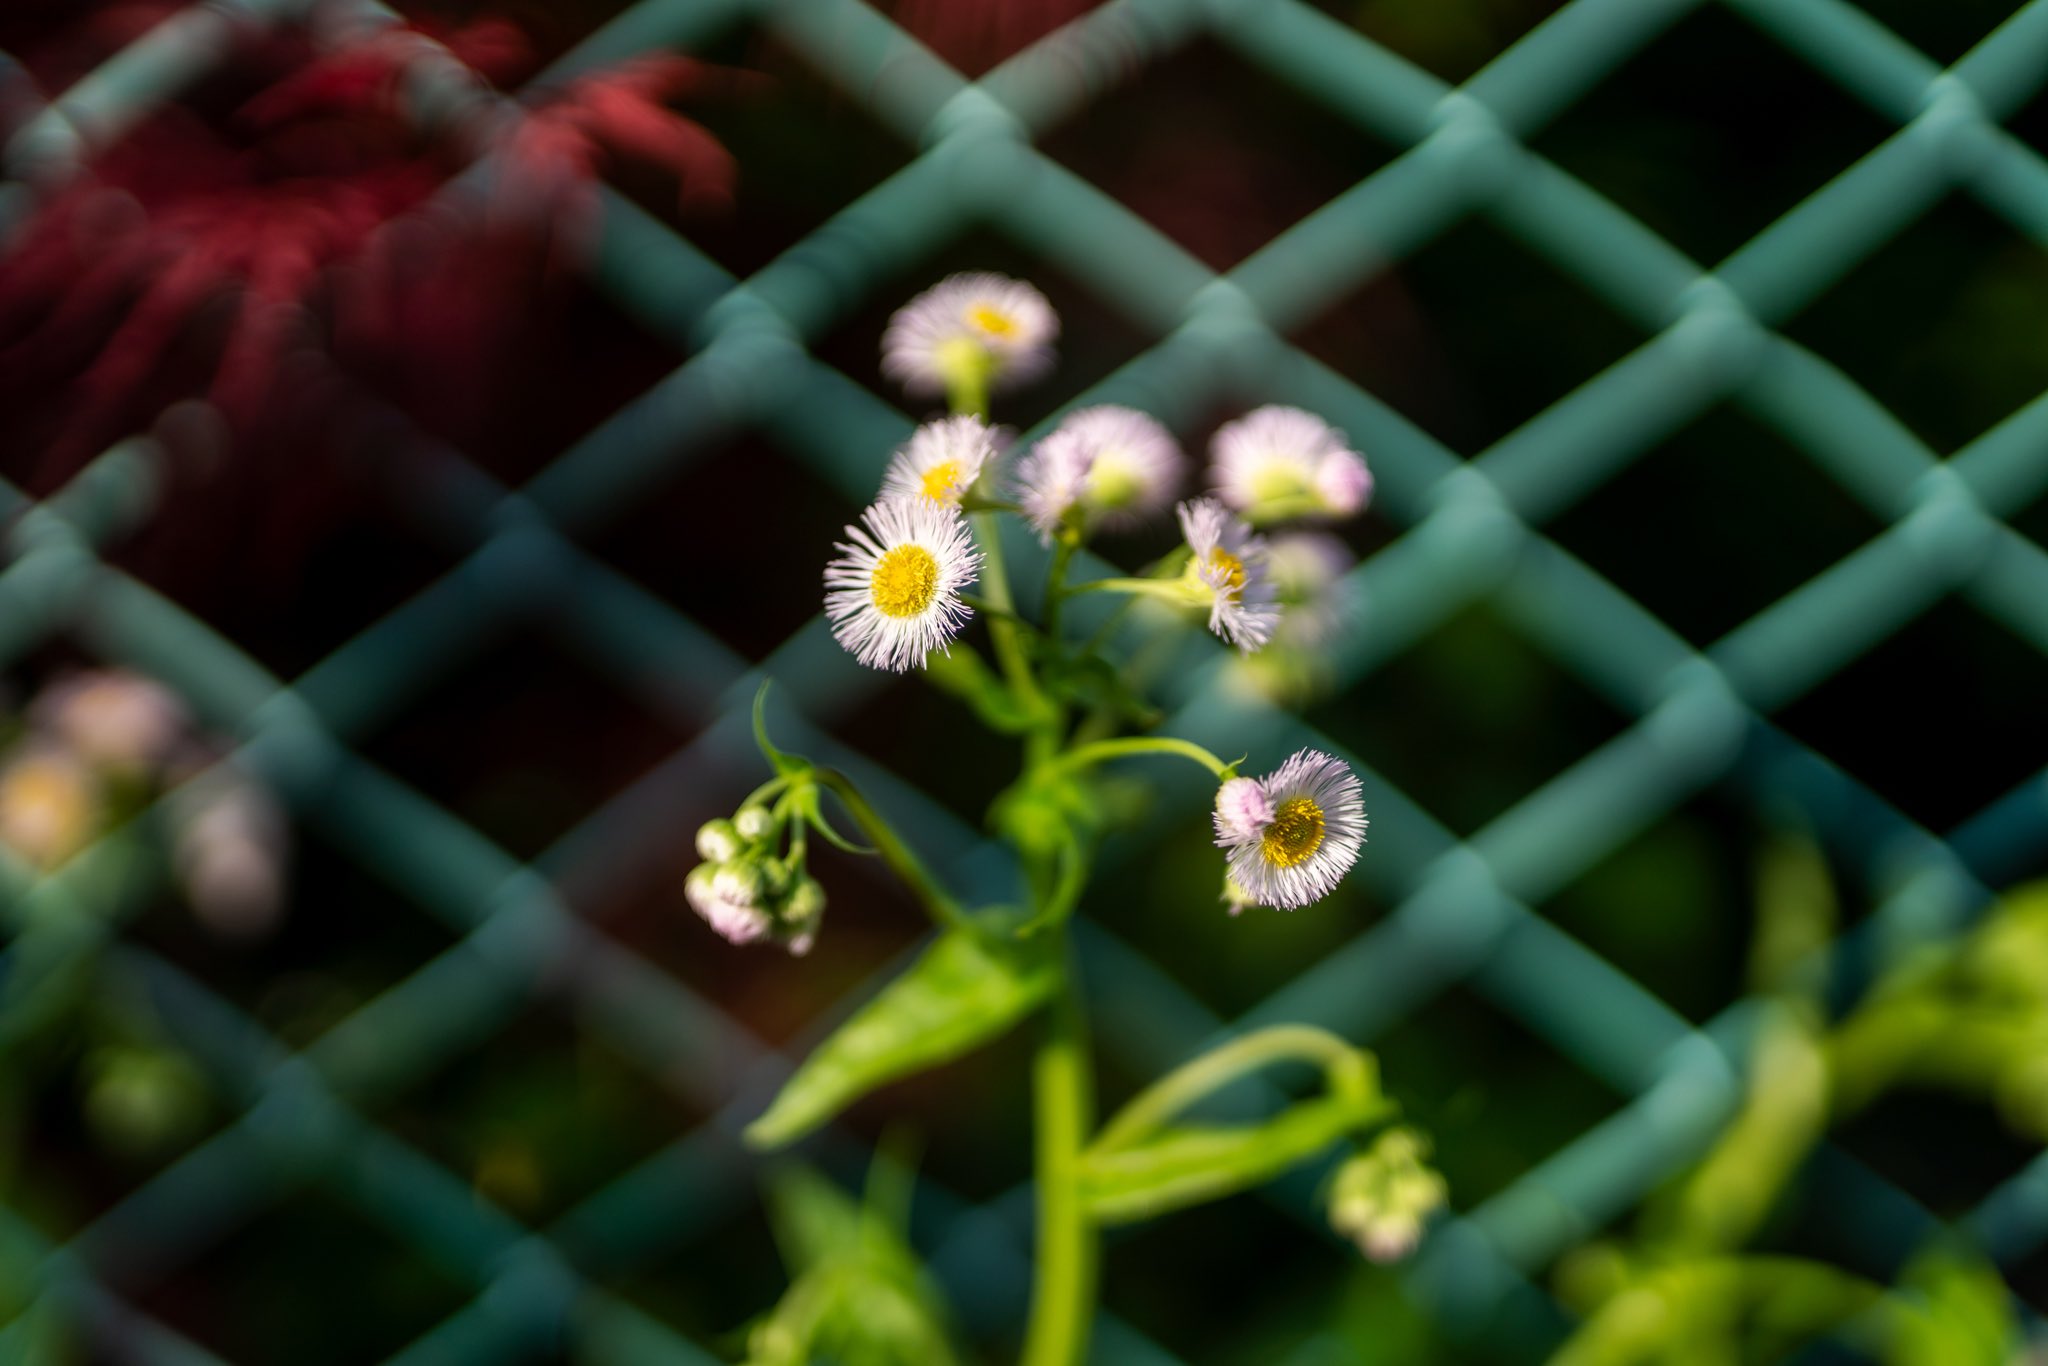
972 331
893 595
941 460
1228 572
1105 466
1275 463
1291 836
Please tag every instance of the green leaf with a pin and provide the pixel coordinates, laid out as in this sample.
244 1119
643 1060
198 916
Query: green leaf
1189 1164
960 993
1953 1310
858 1296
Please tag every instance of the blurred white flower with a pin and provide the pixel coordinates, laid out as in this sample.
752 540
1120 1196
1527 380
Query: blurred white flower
977 328
112 719
231 853
893 595
1276 463
1113 466
941 461
1316 600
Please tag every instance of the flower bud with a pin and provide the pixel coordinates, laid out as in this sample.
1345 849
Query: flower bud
806 900
725 895
717 841
1381 1198
754 824
802 913
776 881
1242 809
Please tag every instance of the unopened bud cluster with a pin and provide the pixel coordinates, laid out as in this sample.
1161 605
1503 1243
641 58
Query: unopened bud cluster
749 892
1381 1198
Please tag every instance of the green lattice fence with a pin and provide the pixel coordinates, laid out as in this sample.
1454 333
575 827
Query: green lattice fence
1466 910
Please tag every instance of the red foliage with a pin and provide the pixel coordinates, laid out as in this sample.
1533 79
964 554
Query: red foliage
290 210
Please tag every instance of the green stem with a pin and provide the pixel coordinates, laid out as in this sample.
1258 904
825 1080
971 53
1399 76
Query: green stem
1002 621
945 911
1169 589
1101 750
1345 1067
1066 891
1056 583
1063 1287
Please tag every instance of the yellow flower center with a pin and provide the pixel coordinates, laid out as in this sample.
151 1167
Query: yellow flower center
46 811
1295 834
941 483
1200 574
905 581
1233 571
992 320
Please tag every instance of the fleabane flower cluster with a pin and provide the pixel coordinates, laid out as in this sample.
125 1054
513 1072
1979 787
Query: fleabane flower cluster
747 892
976 330
1291 836
1278 464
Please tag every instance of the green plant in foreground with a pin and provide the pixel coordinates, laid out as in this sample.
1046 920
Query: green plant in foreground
898 598
1692 1286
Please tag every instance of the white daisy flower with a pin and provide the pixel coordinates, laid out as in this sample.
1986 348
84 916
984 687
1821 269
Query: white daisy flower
1308 570
1278 462
941 460
1116 465
1228 570
979 326
1297 846
893 595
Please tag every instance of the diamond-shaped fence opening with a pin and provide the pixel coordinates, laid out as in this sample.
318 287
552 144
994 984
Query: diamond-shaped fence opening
579 556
